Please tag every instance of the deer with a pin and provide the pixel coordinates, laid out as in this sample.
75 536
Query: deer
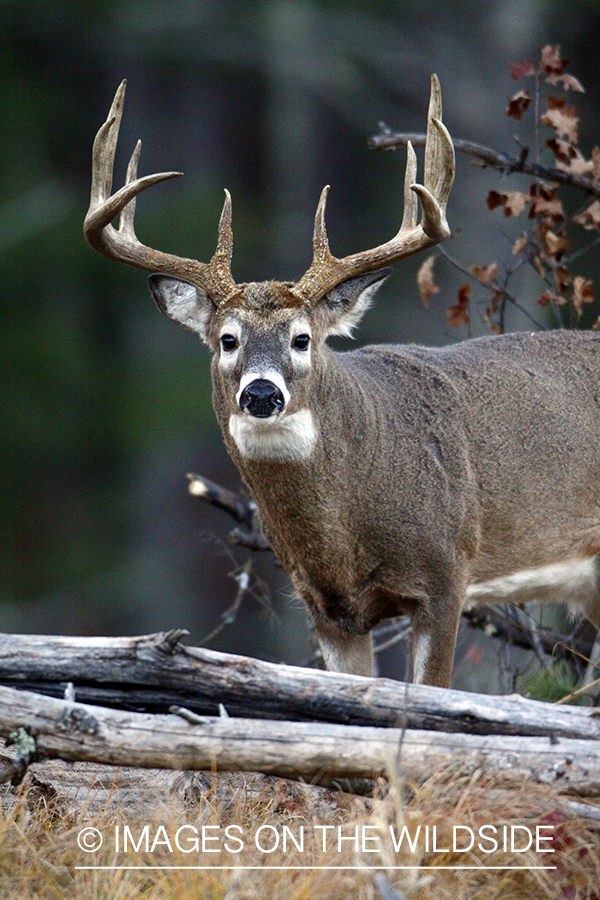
390 479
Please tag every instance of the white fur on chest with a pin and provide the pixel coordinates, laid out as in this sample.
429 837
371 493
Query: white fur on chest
288 439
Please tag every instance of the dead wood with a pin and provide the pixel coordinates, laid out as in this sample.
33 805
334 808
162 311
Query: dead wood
75 732
155 672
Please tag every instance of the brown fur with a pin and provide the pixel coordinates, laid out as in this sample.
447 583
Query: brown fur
433 469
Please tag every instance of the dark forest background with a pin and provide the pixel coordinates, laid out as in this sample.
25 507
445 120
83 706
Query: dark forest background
105 404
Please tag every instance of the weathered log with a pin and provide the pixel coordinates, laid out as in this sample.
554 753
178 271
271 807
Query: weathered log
75 732
154 672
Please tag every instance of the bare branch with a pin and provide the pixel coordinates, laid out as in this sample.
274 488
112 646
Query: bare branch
390 140
229 616
492 286
242 510
494 623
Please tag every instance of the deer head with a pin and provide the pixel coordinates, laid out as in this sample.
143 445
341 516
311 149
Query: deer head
267 338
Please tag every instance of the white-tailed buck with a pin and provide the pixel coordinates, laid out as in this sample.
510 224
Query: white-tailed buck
390 479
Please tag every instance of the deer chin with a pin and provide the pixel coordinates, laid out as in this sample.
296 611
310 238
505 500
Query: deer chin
289 438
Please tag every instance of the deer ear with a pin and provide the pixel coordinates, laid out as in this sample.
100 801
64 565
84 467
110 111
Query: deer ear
345 304
182 302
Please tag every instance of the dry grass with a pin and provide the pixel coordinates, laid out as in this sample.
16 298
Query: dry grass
41 820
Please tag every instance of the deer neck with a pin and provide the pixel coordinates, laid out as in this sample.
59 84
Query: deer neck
306 497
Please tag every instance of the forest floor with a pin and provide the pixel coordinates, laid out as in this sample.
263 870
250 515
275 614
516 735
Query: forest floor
91 831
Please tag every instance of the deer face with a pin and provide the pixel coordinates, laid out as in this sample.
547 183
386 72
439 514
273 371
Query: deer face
267 355
267 338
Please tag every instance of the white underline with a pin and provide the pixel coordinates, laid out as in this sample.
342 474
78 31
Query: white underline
337 868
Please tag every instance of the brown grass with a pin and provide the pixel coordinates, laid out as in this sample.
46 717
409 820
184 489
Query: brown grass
40 823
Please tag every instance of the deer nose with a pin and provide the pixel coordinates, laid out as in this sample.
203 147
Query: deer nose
261 398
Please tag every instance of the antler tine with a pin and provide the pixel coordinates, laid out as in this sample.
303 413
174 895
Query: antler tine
320 239
122 244
411 203
105 145
326 271
126 220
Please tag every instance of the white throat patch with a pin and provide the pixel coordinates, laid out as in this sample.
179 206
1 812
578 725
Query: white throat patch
288 439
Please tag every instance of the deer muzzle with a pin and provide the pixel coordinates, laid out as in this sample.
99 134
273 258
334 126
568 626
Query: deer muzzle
261 399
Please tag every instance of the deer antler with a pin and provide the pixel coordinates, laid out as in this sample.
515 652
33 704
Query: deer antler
121 243
326 271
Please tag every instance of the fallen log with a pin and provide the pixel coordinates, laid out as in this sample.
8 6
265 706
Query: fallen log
154 672
59 729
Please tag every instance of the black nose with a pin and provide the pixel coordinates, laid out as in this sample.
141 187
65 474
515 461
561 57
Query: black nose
261 398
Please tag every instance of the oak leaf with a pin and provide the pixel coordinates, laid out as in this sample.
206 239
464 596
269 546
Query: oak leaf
485 274
569 82
459 313
556 244
521 69
590 217
582 292
551 62
545 202
514 202
548 297
519 245
563 119
425 282
562 279
492 310
517 105
562 150
543 207
577 165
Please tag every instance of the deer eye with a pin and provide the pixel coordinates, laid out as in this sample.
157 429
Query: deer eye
229 342
301 342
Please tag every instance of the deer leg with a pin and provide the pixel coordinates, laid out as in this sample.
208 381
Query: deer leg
434 642
349 653
590 606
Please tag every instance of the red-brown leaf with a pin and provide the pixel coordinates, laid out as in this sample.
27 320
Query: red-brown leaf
578 165
485 274
548 296
561 149
556 244
491 311
425 282
517 105
569 82
519 245
495 199
562 279
459 313
590 217
521 69
564 120
514 202
545 202
551 62
582 292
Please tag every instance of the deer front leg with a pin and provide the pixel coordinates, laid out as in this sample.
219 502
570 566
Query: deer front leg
434 642
342 652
